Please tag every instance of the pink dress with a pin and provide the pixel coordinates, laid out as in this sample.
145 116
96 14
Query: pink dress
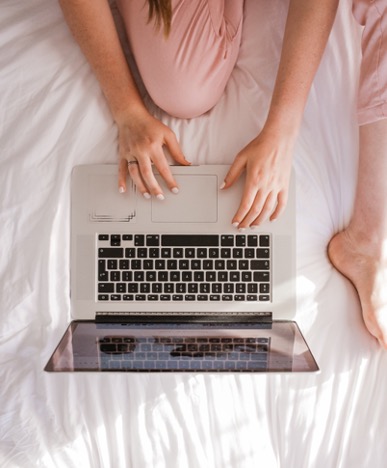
372 103
186 73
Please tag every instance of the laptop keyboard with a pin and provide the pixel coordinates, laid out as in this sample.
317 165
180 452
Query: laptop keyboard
183 353
169 267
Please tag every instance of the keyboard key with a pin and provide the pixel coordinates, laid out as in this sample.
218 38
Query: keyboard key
260 264
112 264
213 253
264 288
235 276
264 241
105 288
201 253
157 287
240 241
154 252
178 253
190 240
214 297
115 240
110 252
262 253
132 287
115 276
174 276
193 288
124 264
160 264
227 240
166 253
252 241
152 240
139 276
186 276
184 264
225 253
189 253
190 297
130 252
181 288
261 277
103 237
139 240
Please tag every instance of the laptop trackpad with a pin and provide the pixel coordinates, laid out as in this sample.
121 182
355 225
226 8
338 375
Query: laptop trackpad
196 202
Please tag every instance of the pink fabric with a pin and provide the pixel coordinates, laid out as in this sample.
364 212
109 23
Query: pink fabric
186 73
372 104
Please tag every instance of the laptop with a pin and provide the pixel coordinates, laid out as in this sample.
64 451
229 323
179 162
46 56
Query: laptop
171 286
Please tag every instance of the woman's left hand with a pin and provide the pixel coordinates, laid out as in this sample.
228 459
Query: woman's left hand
267 161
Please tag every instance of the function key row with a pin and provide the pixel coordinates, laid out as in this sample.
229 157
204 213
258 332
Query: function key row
187 240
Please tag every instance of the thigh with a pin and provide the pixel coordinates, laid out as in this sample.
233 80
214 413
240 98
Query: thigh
372 101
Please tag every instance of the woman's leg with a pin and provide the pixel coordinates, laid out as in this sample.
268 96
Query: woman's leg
360 251
186 73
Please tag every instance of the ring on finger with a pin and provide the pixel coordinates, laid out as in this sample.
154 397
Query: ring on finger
132 161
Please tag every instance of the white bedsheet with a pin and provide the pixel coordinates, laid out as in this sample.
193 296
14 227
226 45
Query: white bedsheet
52 117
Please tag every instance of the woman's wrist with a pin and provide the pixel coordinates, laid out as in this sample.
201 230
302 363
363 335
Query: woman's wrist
283 123
131 112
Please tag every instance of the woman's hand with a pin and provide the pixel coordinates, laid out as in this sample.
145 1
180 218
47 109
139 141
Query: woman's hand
141 141
267 161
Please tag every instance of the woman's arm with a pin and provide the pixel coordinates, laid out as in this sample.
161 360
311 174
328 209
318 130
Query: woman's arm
267 159
141 136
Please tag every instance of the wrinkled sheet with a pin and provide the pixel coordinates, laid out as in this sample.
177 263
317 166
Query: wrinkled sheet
53 117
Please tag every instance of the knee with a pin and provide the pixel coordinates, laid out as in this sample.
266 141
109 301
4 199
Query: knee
185 101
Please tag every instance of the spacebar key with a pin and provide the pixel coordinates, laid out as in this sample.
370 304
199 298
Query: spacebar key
190 240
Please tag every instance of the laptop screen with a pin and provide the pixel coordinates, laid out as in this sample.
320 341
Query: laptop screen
182 347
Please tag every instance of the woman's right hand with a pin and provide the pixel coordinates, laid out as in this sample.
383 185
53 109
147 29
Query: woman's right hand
141 141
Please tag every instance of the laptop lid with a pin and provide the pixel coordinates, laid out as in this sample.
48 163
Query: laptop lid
169 344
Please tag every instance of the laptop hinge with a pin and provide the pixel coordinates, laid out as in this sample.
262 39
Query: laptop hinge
178 317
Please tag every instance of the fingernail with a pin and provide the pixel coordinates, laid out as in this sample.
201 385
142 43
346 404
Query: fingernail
254 227
221 187
242 229
236 224
147 195
121 189
160 196
175 190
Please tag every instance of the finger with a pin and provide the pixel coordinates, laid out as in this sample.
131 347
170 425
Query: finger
164 170
175 150
254 211
282 200
145 169
235 171
122 174
248 197
267 209
135 175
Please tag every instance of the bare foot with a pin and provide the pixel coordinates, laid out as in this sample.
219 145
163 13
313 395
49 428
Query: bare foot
364 266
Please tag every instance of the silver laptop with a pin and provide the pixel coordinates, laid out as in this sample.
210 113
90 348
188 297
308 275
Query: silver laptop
171 285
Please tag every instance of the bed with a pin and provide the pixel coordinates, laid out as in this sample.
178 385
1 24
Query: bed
53 117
